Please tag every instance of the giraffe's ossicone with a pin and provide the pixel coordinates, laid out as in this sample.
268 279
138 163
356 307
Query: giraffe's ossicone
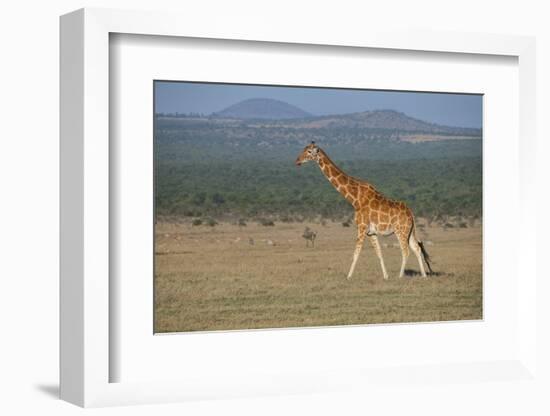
374 213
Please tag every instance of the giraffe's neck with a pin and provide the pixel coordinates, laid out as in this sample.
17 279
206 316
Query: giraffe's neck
343 183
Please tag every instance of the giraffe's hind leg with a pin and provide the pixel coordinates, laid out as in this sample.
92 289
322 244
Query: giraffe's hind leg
402 237
376 245
415 247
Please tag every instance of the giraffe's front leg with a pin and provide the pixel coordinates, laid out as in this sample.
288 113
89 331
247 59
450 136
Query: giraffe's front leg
361 233
376 245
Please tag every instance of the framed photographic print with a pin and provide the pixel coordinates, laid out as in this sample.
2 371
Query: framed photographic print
247 241
285 213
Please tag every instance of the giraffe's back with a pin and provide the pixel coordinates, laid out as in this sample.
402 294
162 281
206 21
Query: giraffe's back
380 214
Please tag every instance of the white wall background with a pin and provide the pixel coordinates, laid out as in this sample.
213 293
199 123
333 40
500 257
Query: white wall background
29 181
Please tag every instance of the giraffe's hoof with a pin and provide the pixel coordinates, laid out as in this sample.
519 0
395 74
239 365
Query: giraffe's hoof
386 277
348 277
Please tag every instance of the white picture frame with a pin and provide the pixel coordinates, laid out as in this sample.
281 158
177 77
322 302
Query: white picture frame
85 211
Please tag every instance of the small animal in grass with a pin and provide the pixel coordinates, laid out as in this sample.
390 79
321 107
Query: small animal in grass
309 235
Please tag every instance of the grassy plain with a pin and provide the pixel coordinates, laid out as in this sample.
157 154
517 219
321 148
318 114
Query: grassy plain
230 277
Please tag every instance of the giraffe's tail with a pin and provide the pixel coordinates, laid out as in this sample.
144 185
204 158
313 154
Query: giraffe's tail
425 255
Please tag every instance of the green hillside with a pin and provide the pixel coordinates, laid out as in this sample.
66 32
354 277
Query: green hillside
227 169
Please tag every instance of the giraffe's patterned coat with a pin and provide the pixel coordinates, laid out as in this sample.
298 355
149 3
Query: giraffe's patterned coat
374 213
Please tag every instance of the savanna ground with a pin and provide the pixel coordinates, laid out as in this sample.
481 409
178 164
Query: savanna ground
230 277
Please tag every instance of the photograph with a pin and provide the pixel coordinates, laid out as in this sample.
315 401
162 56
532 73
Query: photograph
282 206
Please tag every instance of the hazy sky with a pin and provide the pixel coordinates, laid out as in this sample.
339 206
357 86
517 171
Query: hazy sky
462 110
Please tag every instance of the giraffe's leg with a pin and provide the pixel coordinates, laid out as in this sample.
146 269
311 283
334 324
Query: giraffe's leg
361 233
418 252
404 244
374 241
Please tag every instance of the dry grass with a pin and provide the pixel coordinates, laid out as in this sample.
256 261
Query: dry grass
212 278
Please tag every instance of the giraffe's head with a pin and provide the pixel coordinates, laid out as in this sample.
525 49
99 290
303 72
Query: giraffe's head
310 152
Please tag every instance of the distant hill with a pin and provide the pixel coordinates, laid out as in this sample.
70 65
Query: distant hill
384 119
262 108
281 114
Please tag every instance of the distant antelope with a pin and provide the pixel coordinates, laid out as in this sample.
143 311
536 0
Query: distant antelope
309 235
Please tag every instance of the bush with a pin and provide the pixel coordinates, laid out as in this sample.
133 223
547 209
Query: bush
265 222
196 222
211 222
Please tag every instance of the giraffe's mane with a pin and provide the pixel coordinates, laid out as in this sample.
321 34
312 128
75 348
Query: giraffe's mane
359 181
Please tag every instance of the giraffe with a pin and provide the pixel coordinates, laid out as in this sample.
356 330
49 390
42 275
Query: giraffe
374 213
